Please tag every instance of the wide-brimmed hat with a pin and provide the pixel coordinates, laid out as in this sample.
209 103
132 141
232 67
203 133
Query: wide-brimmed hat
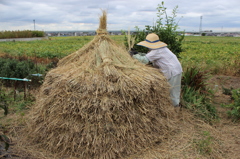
152 42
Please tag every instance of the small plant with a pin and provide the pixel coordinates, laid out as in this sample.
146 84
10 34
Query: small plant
196 96
204 145
227 91
195 79
235 106
4 140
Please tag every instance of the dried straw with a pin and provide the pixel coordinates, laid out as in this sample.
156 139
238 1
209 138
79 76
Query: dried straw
99 103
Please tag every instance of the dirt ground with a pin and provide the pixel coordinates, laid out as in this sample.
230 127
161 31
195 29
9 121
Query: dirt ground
229 130
194 138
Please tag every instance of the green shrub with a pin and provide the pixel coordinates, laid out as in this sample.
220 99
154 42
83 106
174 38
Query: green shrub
167 31
13 68
37 34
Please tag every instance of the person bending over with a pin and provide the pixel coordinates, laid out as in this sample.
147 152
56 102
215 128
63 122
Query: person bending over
161 57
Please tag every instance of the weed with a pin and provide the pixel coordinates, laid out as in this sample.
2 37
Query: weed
235 105
196 96
195 79
227 91
204 146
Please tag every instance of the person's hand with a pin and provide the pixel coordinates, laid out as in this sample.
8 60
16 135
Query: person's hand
133 52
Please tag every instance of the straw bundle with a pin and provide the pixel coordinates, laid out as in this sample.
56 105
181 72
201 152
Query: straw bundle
100 103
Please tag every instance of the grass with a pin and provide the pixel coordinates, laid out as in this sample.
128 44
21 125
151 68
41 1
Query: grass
204 145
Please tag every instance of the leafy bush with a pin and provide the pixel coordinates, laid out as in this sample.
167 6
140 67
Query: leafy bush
167 31
37 34
13 68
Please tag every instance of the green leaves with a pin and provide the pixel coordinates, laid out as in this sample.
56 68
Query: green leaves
16 69
195 95
235 105
166 30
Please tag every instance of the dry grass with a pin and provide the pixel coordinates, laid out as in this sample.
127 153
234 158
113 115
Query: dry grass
182 143
189 142
100 103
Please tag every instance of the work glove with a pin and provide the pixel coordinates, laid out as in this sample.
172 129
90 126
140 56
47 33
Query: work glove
133 52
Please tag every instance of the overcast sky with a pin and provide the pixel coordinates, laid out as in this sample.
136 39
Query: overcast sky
64 15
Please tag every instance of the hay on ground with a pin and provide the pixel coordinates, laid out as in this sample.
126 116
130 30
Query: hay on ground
101 103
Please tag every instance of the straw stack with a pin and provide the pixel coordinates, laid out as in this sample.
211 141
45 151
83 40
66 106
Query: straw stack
99 103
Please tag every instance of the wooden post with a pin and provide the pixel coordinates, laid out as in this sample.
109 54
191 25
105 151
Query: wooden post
25 90
15 87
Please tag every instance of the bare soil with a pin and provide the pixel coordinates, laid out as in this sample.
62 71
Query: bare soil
228 129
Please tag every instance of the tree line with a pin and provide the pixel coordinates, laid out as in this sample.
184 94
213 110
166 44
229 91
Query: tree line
21 34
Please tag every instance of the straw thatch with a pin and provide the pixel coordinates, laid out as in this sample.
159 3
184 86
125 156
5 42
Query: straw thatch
101 103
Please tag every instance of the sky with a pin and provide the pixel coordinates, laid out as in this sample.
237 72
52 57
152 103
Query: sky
81 15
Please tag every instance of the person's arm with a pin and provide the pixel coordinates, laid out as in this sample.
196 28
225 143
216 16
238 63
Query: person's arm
143 59
154 55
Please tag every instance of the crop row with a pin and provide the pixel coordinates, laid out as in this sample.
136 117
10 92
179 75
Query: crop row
44 48
218 55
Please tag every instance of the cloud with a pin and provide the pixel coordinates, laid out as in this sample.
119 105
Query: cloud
122 14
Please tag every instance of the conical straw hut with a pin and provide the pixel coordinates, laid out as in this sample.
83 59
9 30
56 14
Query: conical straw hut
99 103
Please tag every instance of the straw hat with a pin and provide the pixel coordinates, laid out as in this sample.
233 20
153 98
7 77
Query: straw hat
152 42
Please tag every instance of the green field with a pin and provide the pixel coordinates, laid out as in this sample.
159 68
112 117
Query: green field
55 47
218 55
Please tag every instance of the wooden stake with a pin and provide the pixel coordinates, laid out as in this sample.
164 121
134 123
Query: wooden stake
15 87
25 90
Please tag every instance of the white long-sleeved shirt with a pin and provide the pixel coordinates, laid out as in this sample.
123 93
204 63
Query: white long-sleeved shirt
166 61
